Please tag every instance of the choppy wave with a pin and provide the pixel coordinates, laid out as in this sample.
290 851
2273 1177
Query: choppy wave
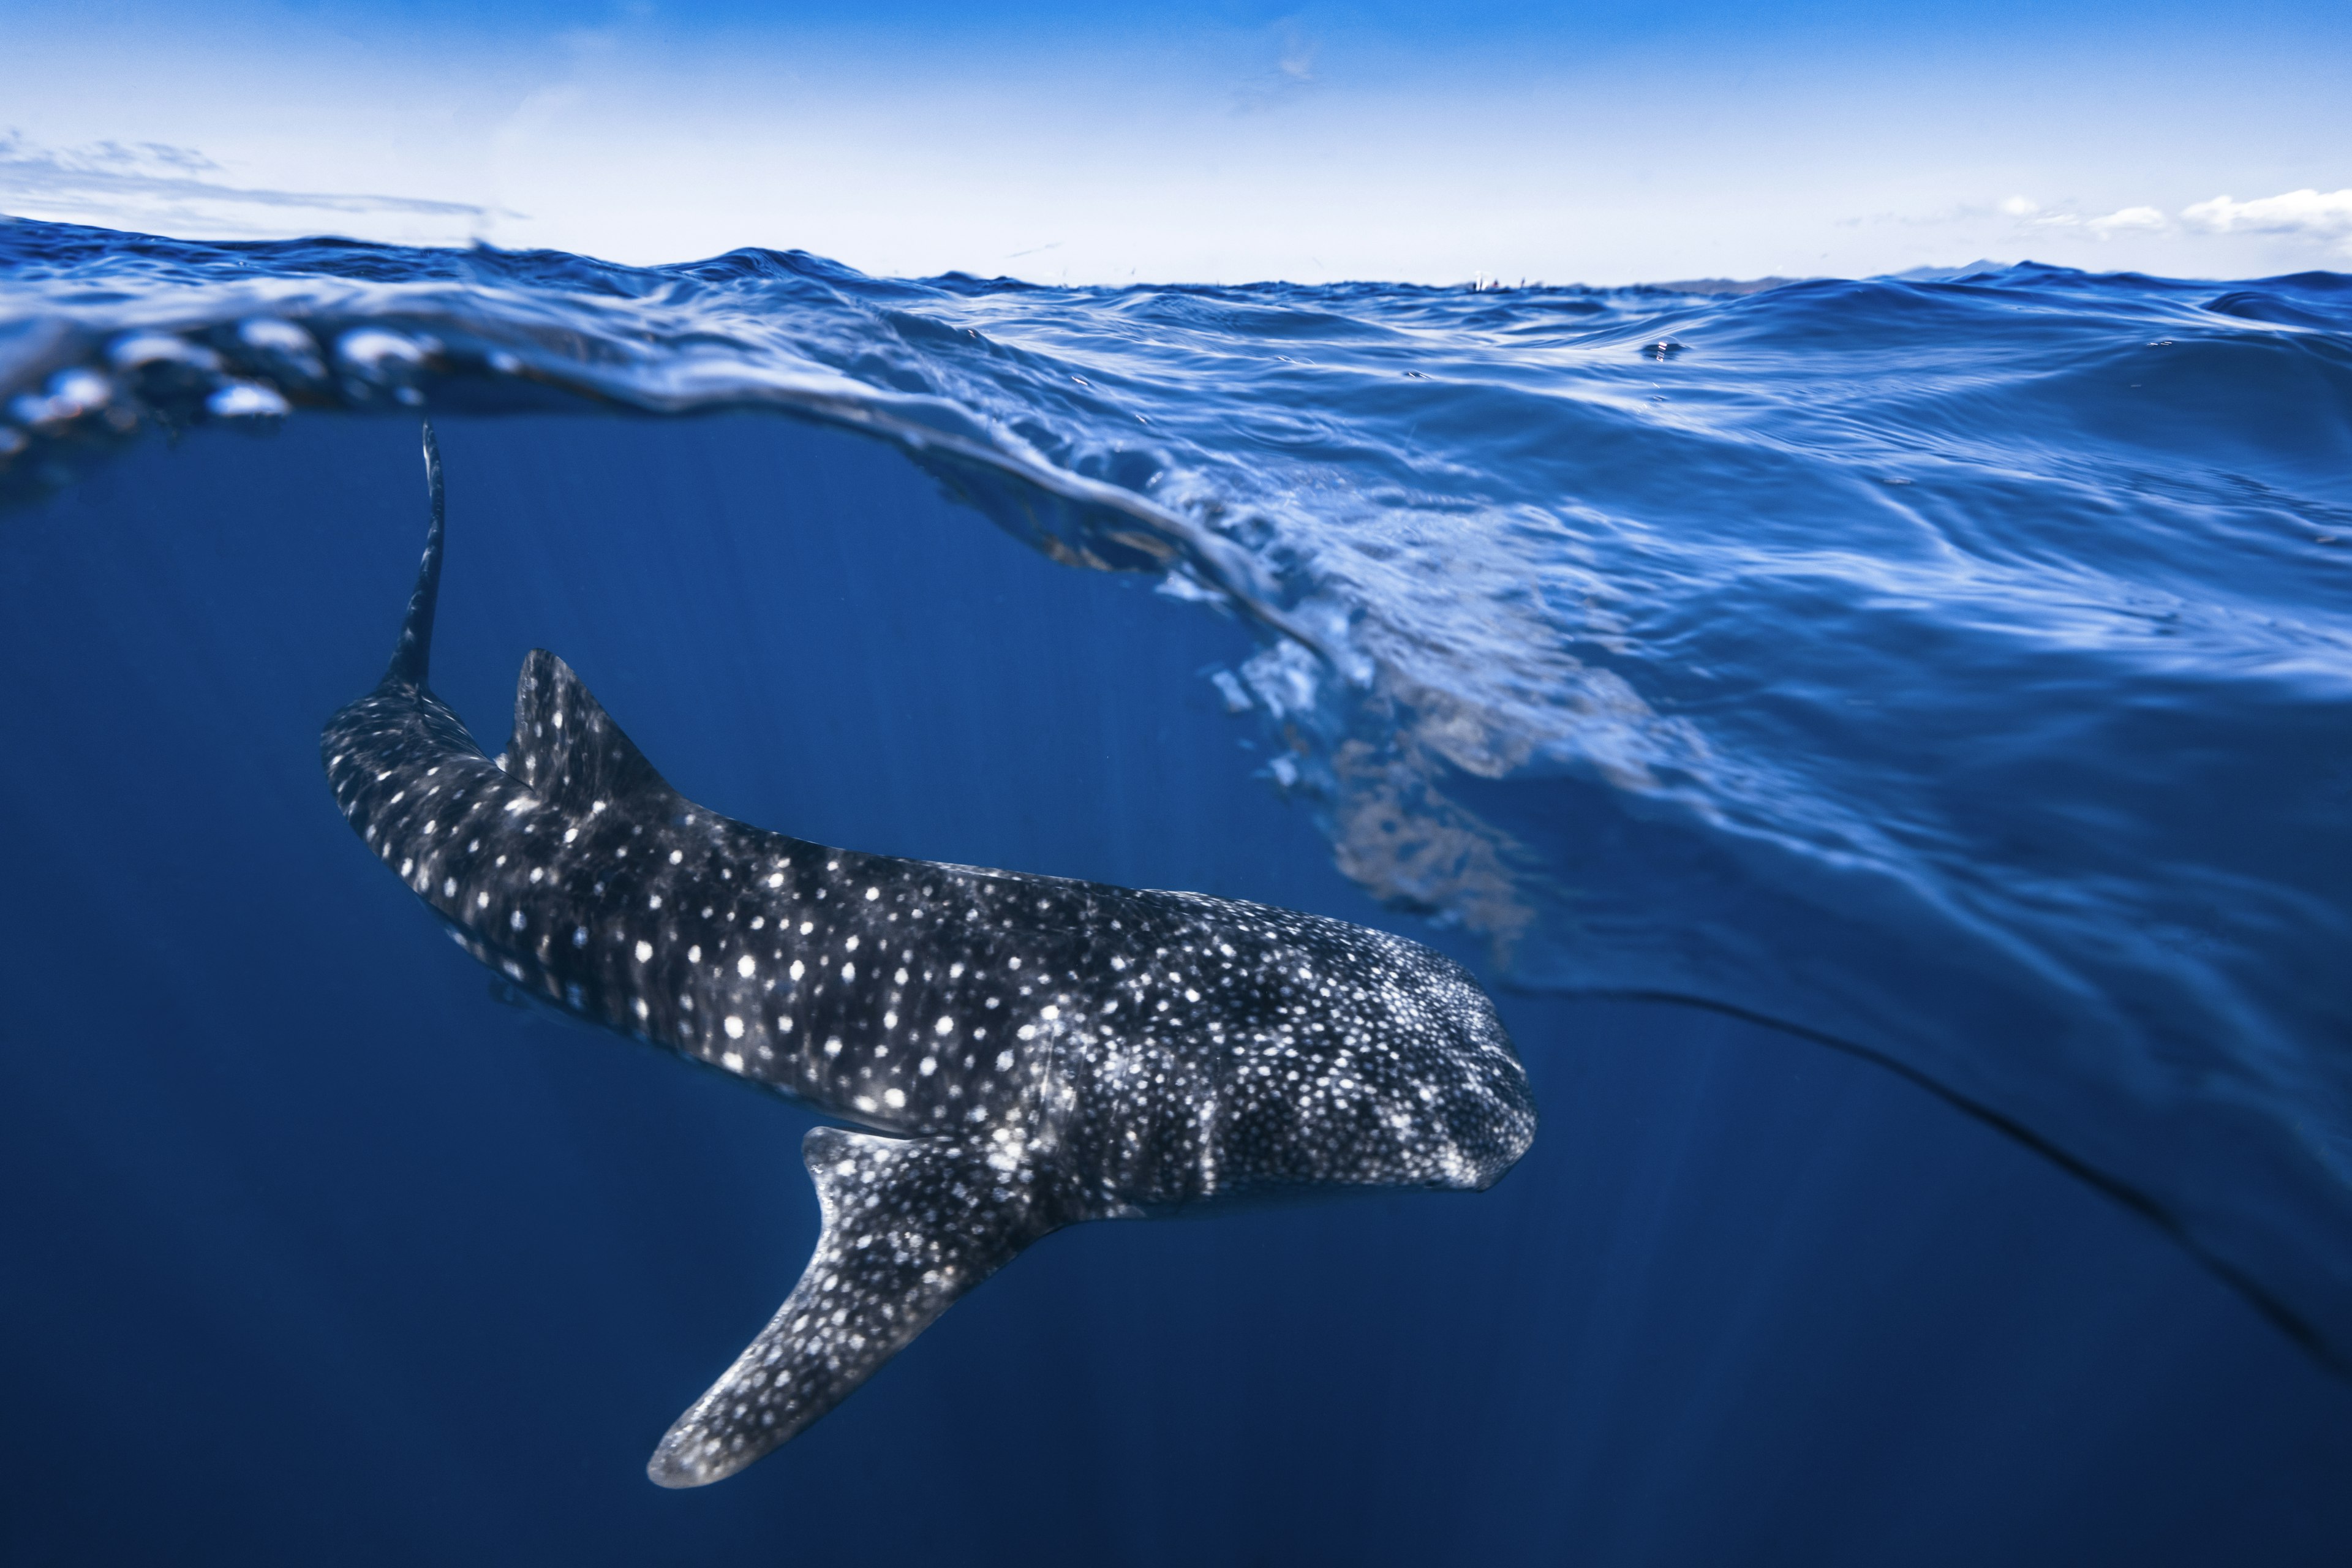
1958 671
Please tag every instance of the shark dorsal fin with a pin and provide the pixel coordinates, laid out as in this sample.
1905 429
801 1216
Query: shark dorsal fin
567 747
412 656
910 1224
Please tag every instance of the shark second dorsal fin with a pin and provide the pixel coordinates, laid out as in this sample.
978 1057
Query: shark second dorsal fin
909 1226
567 747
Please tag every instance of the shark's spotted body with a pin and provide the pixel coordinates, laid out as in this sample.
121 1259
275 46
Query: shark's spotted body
1033 1051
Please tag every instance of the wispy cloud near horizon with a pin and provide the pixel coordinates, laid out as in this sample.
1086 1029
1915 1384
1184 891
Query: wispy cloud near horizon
121 183
2104 226
2304 214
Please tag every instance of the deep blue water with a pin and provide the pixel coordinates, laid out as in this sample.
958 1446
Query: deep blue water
1954 672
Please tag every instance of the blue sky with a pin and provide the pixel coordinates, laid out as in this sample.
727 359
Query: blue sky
1225 141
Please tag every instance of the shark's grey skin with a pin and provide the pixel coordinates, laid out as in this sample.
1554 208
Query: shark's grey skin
1027 1051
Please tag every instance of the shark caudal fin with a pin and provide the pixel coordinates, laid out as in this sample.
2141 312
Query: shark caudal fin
412 655
909 1226
565 746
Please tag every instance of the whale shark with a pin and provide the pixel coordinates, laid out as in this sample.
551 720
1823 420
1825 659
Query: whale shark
1013 1054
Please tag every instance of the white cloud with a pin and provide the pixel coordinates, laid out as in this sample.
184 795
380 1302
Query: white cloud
2307 213
165 187
2029 214
2128 220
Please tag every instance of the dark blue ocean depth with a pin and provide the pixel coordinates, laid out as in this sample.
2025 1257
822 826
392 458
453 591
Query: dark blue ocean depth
1949 677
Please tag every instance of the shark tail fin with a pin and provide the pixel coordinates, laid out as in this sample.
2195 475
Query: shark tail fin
909 1226
565 746
412 656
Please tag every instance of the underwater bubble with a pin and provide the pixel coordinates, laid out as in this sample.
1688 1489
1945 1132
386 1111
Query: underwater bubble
247 399
169 374
139 351
72 395
373 350
283 348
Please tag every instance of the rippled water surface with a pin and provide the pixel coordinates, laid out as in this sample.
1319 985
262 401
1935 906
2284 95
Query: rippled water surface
1959 672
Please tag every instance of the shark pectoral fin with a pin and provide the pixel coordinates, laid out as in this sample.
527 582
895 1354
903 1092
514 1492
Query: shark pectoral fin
909 1226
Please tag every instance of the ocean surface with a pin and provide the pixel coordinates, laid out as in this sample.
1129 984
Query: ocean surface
1887 744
